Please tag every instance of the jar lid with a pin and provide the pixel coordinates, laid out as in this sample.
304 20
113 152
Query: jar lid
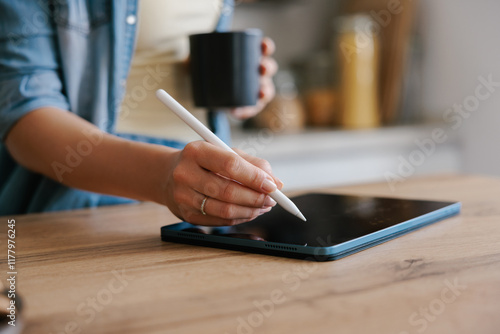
352 22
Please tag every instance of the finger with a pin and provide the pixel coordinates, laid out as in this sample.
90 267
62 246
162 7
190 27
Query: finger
246 112
214 211
268 66
266 94
267 90
268 46
230 211
189 204
230 165
199 219
261 163
228 191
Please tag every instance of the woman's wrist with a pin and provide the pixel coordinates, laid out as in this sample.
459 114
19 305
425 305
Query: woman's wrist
147 171
164 161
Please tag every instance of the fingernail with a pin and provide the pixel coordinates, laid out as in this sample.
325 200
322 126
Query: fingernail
269 201
268 186
262 69
280 183
262 211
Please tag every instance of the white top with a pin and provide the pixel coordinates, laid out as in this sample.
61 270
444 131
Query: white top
160 62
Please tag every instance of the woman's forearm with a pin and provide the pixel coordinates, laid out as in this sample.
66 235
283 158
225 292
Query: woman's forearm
70 150
233 188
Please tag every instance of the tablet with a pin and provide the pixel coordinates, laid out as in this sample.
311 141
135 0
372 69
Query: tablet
336 226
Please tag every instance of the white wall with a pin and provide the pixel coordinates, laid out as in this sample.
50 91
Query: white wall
298 27
462 42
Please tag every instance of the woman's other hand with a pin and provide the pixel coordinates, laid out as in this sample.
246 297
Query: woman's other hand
268 68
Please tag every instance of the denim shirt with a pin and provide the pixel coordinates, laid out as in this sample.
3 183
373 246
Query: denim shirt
74 55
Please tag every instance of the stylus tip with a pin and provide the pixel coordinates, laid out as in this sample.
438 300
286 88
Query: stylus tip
301 216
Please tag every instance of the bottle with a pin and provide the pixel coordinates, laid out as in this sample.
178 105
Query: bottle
357 52
319 97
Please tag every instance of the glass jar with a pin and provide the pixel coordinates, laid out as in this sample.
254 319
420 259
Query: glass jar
357 52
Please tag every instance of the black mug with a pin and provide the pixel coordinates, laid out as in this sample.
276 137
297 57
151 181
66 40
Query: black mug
225 68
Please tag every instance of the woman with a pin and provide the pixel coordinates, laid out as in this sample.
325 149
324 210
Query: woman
63 67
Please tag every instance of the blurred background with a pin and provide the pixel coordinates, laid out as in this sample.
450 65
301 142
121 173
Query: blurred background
374 90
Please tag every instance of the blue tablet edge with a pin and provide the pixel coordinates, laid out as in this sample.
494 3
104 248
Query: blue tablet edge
327 253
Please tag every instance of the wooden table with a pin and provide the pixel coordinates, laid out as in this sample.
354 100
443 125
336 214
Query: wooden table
107 271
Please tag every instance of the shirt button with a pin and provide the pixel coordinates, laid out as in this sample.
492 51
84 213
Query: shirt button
131 19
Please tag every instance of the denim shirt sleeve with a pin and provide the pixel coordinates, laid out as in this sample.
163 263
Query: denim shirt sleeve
29 69
74 55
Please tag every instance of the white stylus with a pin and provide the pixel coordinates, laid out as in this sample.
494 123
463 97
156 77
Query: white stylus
210 137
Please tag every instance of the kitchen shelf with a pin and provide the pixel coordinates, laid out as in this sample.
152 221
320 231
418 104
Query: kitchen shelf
326 157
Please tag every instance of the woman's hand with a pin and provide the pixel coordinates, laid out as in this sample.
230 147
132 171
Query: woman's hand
236 186
268 68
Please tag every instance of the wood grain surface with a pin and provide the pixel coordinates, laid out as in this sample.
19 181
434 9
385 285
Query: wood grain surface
106 270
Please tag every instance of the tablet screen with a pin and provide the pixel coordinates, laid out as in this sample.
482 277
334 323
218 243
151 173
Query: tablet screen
331 219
